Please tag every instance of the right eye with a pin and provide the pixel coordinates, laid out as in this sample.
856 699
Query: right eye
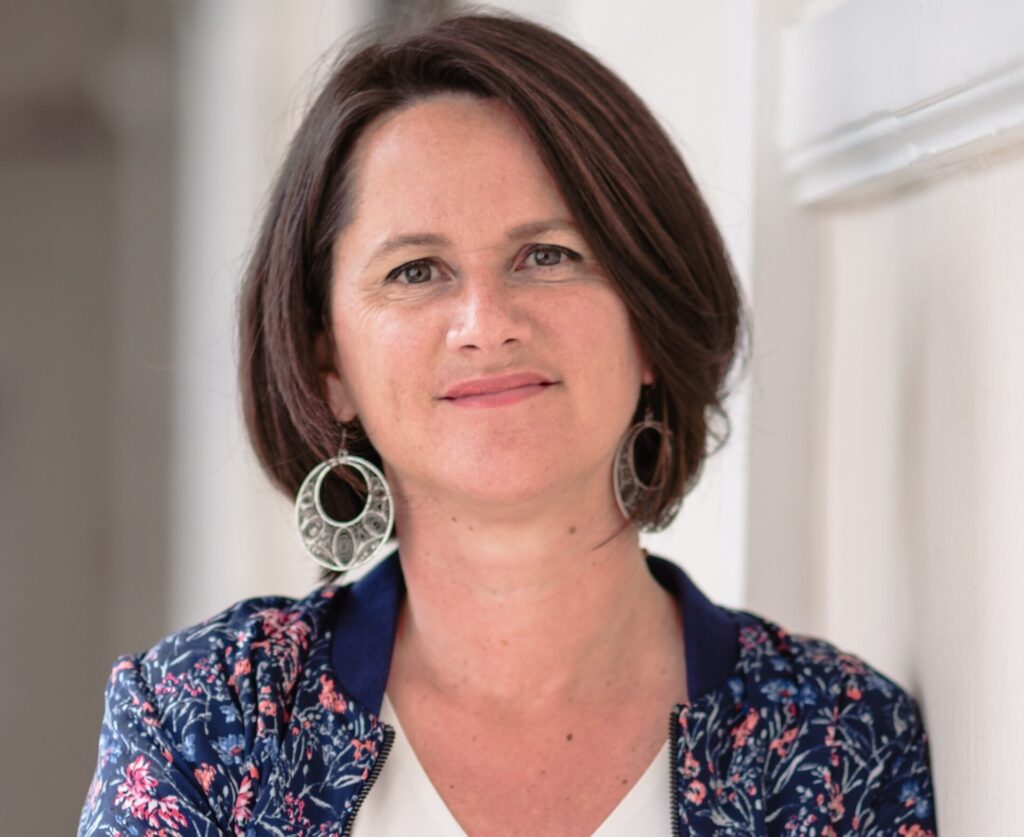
412 273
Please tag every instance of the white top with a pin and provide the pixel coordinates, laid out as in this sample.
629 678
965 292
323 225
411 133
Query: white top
403 801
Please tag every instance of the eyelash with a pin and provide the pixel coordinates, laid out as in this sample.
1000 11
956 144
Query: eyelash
571 255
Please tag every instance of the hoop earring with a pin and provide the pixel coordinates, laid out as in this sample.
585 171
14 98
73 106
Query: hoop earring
631 492
342 546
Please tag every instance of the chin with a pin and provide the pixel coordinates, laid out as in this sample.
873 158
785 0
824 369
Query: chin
525 470
499 483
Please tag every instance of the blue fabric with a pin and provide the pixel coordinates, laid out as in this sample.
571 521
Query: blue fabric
710 633
364 633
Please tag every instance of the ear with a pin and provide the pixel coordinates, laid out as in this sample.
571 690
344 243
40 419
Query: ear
646 367
647 376
332 383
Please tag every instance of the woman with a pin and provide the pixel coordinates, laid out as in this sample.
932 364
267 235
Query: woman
489 296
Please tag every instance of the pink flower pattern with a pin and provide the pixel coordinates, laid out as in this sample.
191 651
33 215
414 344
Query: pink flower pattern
136 794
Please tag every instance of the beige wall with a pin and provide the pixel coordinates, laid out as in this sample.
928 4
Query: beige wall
922 466
890 200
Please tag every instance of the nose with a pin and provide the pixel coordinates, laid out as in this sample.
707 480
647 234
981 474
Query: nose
488 315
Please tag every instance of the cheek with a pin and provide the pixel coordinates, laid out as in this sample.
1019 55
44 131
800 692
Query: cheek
387 361
603 367
601 332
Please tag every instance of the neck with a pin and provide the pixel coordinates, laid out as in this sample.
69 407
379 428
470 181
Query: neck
528 614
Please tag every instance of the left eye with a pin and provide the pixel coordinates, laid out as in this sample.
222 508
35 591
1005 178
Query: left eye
550 255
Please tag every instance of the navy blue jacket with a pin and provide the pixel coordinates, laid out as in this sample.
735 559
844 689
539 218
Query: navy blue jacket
263 720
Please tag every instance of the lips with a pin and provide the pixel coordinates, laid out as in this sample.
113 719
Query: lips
496 384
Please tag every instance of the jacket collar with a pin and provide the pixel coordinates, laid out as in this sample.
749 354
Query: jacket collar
366 619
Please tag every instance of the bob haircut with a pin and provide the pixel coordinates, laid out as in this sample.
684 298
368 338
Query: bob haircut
622 179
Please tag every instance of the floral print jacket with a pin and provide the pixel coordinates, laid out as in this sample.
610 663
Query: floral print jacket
263 721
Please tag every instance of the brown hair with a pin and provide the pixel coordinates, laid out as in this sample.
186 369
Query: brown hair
621 177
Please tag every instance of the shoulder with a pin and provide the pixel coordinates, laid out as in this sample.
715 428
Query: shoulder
216 688
256 632
190 726
779 667
262 626
822 718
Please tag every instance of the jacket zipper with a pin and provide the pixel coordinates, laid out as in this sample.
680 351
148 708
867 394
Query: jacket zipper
673 759
385 748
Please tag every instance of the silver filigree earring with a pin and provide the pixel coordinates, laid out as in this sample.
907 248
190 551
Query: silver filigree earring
631 492
337 545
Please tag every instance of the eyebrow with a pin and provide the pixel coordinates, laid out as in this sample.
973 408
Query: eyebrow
518 233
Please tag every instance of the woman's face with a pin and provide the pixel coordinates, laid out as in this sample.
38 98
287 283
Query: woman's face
478 341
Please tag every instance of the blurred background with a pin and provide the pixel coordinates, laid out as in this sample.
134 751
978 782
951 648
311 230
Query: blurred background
863 158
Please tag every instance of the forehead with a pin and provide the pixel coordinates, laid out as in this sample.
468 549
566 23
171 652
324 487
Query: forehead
449 158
